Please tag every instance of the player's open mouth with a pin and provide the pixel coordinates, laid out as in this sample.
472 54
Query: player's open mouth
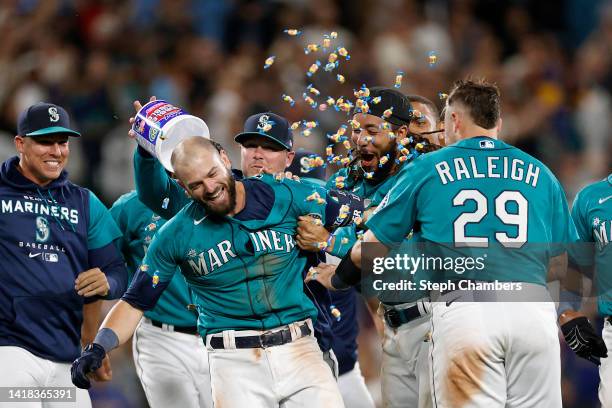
54 164
218 195
368 159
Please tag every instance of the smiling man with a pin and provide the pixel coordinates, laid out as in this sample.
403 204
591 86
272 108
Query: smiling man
233 242
57 256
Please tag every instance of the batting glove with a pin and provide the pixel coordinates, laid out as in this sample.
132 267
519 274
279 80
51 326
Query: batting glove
582 339
90 360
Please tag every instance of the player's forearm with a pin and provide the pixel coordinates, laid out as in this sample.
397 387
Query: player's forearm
122 320
155 189
570 284
91 321
110 261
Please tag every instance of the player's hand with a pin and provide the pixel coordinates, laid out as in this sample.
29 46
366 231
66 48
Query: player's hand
581 337
366 216
104 373
137 107
312 235
322 273
90 360
92 282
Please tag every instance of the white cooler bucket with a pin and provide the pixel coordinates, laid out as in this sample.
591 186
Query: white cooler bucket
160 126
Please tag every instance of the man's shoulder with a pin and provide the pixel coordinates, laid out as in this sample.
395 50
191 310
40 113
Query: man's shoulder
127 199
180 226
595 192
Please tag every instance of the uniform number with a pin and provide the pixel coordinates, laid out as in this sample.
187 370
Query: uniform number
519 219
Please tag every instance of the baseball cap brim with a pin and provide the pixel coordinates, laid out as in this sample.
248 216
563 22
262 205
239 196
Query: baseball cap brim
240 137
54 130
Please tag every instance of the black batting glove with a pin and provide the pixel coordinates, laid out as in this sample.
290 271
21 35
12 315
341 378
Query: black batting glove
581 337
90 360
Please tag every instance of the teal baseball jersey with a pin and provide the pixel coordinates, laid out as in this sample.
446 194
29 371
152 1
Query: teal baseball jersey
139 225
480 193
245 271
373 193
592 214
347 236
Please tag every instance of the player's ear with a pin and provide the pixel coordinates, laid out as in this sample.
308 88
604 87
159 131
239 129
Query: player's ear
401 132
19 143
456 121
290 156
225 159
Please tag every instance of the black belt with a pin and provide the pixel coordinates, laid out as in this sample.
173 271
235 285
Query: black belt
609 319
396 317
180 329
265 340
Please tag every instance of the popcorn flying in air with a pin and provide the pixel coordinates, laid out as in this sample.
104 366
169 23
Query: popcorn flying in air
292 32
398 79
269 61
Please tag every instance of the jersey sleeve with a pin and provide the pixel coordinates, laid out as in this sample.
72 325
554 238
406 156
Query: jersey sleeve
120 216
581 253
345 238
395 216
157 269
155 188
336 208
563 229
102 229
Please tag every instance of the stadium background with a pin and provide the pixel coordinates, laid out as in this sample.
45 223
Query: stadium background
551 59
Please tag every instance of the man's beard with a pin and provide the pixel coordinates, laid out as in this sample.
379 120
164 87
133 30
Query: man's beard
380 172
223 210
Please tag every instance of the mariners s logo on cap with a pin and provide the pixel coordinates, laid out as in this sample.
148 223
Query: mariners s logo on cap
265 124
53 115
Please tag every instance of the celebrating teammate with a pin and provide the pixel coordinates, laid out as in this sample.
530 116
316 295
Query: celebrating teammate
57 254
266 146
592 213
375 140
234 245
480 192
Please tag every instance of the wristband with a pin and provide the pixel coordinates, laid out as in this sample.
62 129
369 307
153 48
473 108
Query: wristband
347 274
107 338
568 300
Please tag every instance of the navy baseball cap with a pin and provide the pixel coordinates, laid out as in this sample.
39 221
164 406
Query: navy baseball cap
268 125
44 119
390 98
300 166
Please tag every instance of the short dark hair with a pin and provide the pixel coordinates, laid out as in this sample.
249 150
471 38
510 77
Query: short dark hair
481 98
425 101
217 146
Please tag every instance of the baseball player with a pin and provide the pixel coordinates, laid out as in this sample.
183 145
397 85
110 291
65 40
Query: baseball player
592 213
266 145
57 254
170 362
234 245
374 143
494 354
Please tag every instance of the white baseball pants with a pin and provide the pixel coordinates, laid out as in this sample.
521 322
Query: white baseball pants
287 376
172 367
495 354
20 368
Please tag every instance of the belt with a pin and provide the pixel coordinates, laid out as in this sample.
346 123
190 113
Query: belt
396 317
180 329
265 340
609 319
